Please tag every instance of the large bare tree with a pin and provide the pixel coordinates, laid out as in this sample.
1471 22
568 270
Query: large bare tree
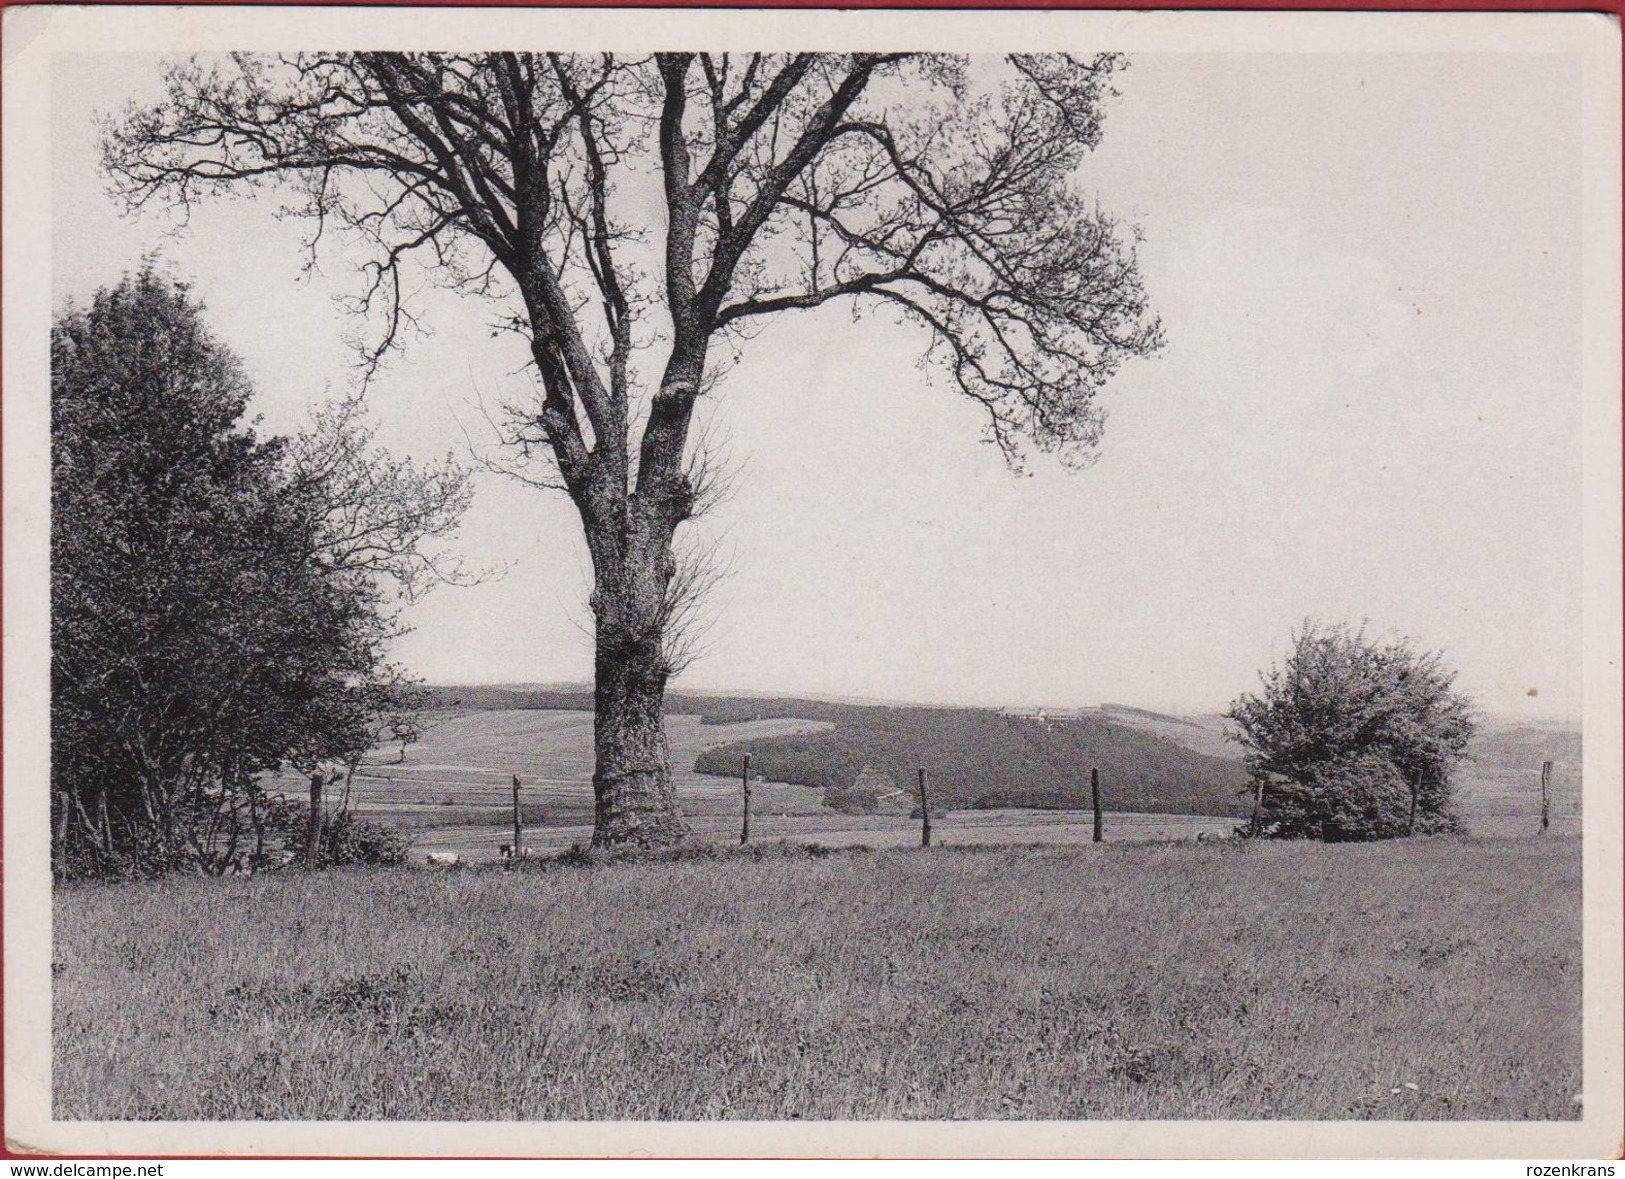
640 214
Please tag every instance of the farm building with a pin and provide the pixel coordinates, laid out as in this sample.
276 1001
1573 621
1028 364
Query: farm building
1041 715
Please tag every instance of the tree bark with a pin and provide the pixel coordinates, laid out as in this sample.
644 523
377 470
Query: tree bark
635 802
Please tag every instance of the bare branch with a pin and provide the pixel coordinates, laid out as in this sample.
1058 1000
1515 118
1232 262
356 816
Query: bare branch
638 211
373 515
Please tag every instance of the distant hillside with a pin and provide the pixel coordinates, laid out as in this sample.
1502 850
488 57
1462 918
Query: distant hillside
1514 748
714 710
489 698
1205 733
979 759
976 757
1498 786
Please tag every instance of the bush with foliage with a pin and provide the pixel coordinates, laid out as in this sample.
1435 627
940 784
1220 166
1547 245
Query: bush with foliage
854 800
350 839
217 611
1353 738
346 838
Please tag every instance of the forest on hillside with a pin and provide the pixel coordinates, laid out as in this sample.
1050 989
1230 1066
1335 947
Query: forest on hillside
978 758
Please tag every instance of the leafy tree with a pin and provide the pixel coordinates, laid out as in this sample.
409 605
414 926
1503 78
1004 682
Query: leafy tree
641 216
204 628
1353 738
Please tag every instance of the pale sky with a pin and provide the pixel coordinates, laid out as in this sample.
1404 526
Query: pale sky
1368 270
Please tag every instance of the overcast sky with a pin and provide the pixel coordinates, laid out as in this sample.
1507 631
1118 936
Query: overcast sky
1368 269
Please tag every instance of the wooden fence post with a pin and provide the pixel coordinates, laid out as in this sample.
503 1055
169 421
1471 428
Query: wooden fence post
518 828
925 811
1545 795
744 780
313 836
1100 819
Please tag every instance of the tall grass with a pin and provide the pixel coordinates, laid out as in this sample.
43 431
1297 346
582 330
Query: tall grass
1232 981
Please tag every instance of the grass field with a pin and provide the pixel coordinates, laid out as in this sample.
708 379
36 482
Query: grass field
1429 979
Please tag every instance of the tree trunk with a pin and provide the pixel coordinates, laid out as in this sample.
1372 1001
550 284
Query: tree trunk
635 802
634 602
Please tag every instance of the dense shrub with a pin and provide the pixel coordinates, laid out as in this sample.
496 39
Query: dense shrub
1358 796
347 838
1353 739
852 801
352 840
219 601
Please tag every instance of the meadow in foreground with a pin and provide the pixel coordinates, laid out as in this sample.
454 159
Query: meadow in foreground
1424 979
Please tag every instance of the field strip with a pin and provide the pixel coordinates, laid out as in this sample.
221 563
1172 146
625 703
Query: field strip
436 766
527 782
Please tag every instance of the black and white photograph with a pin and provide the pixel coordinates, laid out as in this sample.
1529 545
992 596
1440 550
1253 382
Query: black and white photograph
742 582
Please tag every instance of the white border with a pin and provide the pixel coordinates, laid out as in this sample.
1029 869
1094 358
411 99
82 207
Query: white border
33 35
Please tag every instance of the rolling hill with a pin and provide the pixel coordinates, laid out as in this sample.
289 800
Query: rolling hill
976 757
1150 762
